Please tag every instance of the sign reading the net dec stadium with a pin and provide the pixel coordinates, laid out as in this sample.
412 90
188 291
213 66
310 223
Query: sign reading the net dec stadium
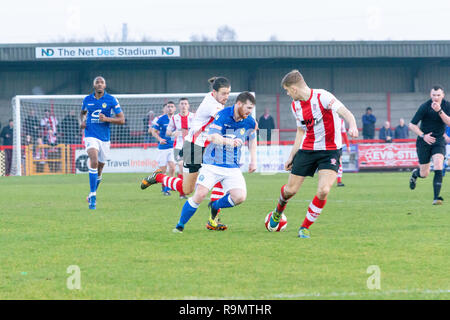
107 52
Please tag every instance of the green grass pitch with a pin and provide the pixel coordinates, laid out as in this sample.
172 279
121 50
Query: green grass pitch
126 249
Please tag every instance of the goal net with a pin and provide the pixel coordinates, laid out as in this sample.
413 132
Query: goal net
48 140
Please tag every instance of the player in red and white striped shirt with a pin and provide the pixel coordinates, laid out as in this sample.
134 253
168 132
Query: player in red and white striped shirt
194 146
317 145
178 127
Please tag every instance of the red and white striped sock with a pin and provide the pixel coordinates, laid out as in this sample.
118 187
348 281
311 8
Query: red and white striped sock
282 202
174 183
314 210
217 192
339 174
180 176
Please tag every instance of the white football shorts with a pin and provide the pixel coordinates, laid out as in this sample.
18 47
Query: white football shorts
103 147
165 156
231 178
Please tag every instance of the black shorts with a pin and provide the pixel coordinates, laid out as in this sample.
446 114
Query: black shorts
425 151
192 156
306 162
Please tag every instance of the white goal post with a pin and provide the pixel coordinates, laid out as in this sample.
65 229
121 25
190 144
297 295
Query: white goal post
47 137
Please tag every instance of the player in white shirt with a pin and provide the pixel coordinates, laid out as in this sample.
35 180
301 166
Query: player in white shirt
195 143
179 128
165 143
317 145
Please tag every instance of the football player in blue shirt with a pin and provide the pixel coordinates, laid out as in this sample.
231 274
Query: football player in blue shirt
165 142
446 158
95 118
221 161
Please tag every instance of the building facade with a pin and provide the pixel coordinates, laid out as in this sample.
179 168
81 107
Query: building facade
391 77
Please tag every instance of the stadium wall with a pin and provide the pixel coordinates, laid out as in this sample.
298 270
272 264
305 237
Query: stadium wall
263 77
358 82
403 105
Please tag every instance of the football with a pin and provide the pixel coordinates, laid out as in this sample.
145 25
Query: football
281 225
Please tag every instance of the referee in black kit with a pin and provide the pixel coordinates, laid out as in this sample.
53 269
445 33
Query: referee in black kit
434 115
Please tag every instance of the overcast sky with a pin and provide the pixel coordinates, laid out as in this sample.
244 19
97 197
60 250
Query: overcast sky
31 21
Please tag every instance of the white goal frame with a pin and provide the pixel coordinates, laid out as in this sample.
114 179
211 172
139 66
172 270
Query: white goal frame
16 167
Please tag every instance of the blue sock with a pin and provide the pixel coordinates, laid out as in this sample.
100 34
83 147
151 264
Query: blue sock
93 173
99 179
187 212
224 202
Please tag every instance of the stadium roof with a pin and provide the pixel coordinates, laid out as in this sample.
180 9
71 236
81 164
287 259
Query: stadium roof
240 50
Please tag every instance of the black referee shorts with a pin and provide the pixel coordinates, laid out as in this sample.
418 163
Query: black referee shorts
425 151
192 156
306 162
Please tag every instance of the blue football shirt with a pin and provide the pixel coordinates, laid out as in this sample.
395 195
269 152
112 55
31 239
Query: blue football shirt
161 126
94 127
225 125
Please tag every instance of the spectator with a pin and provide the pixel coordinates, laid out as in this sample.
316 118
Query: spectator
70 129
39 154
53 153
147 120
368 120
401 131
7 135
28 140
121 134
267 123
50 138
48 122
31 125
386 132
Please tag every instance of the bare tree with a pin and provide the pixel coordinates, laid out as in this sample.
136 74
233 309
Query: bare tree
62 39
146 38
106 36
200 38
226 33
124 32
